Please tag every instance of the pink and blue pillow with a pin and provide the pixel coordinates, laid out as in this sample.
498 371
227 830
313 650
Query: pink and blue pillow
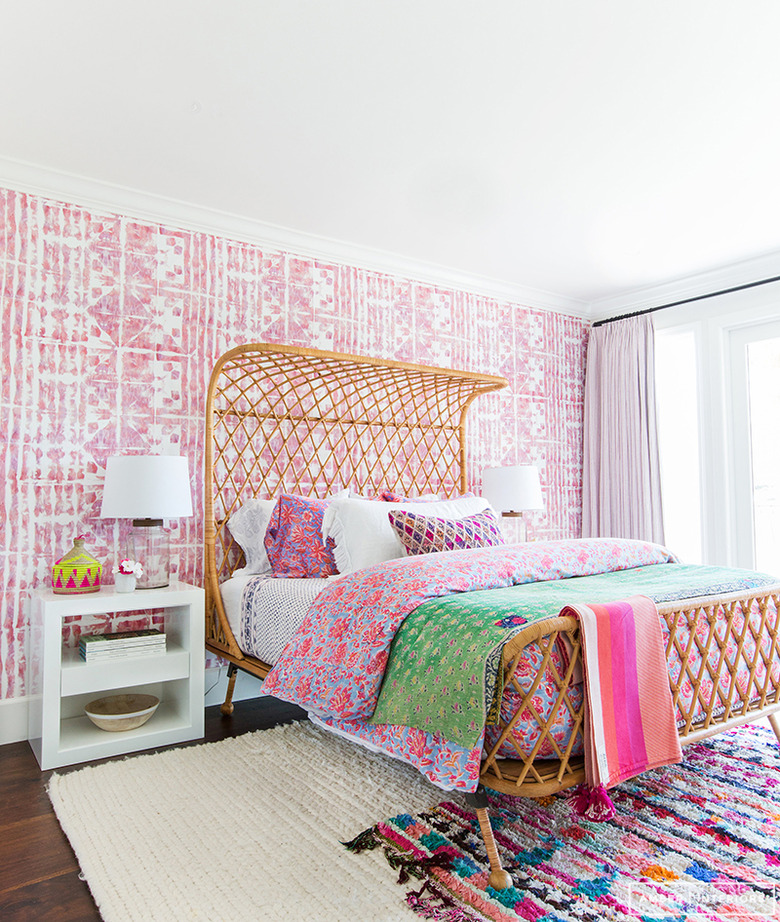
390 496
424 534
293 540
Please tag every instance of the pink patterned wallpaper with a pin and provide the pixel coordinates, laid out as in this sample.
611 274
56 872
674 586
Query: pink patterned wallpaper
109 330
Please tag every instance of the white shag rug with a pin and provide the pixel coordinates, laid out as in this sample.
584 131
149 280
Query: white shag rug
248 828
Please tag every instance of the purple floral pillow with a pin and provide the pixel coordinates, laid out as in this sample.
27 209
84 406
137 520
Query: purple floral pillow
424 534
293 539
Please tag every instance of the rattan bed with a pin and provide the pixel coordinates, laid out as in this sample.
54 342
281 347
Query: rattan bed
284 418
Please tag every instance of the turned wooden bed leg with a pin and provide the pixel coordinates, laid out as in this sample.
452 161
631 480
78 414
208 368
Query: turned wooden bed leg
499 878
227 705
774 722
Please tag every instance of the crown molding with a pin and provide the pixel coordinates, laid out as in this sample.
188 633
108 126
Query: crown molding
692 286
111 198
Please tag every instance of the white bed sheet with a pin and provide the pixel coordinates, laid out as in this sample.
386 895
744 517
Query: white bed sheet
232 590
264 612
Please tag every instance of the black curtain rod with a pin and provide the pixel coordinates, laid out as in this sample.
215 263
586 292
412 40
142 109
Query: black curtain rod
712 294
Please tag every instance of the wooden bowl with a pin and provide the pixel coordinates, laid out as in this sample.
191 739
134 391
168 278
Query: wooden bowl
121 712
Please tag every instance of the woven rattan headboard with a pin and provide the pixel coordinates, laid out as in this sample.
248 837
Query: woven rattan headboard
284 418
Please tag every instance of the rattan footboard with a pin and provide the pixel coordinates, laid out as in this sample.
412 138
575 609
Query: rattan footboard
711 623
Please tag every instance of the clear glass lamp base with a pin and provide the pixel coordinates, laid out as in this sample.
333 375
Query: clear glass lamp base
150 546
515 527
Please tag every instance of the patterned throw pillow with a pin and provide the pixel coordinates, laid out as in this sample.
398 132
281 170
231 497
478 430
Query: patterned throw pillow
390 496
293 541
424 534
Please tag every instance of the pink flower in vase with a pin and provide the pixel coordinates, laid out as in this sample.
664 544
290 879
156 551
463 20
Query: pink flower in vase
130 568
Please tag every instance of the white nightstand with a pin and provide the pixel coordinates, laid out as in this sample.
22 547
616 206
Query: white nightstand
59 731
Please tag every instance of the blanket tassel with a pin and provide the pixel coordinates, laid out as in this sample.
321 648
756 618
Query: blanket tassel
594 804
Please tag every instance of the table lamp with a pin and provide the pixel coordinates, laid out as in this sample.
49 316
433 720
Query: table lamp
148 489
513 490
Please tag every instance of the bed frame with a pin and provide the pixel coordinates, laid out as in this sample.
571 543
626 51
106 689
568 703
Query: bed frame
285 418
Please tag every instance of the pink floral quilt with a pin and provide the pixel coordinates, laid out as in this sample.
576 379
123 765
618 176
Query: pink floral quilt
335 663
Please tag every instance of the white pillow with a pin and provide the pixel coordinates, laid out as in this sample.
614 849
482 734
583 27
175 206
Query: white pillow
364 535
248 526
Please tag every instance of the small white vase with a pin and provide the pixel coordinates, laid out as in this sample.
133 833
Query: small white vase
124 582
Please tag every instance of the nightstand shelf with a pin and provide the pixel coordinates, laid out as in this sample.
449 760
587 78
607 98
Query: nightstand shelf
60 734
81 740
79 677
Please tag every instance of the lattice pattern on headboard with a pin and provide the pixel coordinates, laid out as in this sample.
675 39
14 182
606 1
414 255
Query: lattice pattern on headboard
284 418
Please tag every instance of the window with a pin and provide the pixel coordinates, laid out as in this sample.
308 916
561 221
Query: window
718 395
676 384
755 394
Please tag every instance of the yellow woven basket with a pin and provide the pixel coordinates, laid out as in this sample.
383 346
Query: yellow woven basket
77 571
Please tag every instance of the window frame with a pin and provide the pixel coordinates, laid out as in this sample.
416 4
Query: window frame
718 323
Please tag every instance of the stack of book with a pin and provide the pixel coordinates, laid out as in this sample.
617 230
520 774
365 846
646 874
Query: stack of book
99 647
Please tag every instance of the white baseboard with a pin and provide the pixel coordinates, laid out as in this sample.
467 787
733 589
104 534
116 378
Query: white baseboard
13 720
247 686
13 711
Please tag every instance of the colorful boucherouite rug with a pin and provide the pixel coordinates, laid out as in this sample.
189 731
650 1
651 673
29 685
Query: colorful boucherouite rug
695 841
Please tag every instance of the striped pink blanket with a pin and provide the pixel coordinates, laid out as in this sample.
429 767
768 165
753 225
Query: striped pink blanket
630 719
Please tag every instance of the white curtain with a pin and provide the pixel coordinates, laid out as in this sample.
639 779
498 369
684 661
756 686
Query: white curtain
621 482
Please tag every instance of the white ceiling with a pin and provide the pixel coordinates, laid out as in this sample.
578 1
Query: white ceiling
581 147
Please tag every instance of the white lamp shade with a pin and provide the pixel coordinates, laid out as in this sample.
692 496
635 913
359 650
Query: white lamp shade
146 487
512 489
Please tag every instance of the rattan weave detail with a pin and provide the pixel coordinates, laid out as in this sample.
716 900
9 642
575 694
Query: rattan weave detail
285 418
712 625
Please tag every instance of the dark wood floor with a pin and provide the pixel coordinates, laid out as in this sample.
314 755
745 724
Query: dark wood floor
39 875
